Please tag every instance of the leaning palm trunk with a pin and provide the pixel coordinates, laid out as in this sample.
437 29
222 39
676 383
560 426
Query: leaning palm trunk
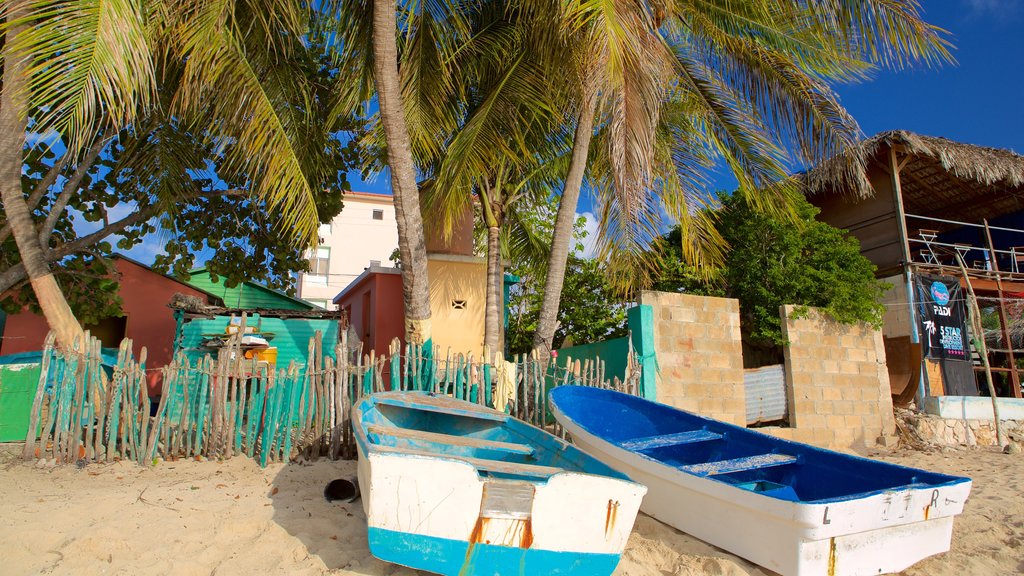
411 243
13 123
561 239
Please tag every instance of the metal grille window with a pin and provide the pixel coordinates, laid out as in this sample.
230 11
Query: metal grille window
319 264
459 304
378 214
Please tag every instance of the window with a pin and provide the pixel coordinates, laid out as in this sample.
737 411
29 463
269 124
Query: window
378 214
459 304
319 264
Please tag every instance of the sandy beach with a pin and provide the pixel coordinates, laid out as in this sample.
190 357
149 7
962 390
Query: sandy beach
201 518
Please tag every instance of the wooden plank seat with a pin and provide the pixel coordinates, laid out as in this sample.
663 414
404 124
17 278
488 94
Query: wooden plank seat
482 464
738 464
440 404
661 440
450 439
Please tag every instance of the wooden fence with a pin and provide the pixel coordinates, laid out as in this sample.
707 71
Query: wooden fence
224 406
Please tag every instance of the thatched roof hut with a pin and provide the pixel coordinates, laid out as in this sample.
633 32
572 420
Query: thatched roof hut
939 175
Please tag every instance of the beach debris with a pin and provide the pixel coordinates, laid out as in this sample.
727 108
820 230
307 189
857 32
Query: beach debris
342 489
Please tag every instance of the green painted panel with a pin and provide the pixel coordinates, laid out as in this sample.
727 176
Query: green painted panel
247 294
291 336
18 384
612 352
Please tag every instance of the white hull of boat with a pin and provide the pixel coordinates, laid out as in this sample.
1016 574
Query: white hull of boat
876 534
439 505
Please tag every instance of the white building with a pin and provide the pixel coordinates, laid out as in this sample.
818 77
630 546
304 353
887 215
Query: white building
364 232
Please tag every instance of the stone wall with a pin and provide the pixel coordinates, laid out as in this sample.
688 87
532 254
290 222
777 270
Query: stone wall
956 432
699 354
837 384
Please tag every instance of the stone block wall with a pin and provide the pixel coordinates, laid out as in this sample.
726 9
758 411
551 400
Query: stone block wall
699 354
957 432
837 384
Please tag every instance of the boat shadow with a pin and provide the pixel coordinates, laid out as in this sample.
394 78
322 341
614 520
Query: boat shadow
333 531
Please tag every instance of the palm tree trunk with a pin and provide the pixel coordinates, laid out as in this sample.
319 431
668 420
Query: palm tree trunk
492 315
13 123
561 239
411 243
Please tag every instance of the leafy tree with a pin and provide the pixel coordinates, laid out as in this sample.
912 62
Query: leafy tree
91 73
593 309
162 173
774 260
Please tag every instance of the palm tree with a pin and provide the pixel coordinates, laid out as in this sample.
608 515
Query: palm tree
411 243
92 68
741 81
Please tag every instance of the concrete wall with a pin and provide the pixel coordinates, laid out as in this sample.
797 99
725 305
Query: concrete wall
896 322
355 239
700 357
837 384
462 278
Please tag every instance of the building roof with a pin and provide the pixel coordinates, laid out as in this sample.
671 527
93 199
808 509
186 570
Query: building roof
214 299
371 269
247 294
938 176
368 196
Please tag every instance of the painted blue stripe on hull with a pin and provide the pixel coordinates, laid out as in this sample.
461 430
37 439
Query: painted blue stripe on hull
450 558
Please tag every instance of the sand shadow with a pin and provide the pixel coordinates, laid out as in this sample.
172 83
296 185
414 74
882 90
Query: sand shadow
333 531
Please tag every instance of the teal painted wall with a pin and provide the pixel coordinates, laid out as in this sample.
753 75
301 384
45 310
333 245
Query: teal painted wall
291 336
615 352
612 352
247 294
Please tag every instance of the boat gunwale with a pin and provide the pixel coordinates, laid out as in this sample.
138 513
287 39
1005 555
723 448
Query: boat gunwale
368 403
661 466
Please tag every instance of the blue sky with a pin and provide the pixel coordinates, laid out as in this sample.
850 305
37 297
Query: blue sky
979 100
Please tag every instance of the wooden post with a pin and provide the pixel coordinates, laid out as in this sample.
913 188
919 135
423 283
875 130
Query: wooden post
978 329
1003 321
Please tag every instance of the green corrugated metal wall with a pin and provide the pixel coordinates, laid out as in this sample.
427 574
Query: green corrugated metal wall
291 336
246 294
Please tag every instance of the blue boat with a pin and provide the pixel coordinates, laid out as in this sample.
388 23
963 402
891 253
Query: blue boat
790 507
456 488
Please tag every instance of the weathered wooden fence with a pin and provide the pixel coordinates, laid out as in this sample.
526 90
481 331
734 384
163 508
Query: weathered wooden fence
228 405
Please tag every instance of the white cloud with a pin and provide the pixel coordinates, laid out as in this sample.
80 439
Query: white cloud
589 241
1001 8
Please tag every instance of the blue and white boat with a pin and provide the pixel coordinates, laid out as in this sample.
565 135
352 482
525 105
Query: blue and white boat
456 488
790 507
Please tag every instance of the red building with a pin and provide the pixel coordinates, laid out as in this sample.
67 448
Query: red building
147 320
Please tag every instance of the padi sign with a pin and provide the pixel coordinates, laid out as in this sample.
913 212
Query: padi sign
942 319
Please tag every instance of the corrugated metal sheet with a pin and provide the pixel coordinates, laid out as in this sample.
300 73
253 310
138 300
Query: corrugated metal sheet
291 336
247 294
766 394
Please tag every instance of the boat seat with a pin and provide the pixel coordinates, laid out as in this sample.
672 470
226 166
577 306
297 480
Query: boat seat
738 464
661 440
449 439
482 464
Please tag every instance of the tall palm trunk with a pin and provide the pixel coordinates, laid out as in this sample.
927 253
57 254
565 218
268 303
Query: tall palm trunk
411 243
561 239
13 123
495 274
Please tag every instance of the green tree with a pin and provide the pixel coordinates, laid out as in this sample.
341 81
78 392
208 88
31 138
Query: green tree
775 260
88 71
662 90
593 309
164 176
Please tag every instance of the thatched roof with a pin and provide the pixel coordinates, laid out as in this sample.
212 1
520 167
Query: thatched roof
940 175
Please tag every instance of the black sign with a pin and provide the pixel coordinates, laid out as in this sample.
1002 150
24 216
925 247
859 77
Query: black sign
940 311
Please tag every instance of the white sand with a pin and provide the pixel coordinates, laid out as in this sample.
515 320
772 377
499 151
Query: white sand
228 518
